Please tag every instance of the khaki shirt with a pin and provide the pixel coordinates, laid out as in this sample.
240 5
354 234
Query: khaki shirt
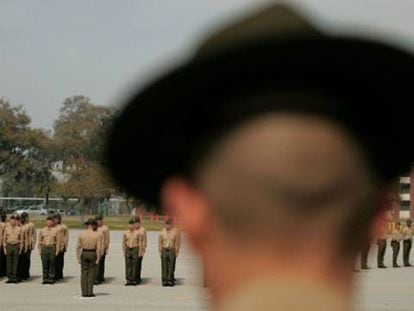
63 233
48 237
407 233
30 237
143 240
2 227
131 239
104 231
396 235
13 235
90 240
278 294
169 239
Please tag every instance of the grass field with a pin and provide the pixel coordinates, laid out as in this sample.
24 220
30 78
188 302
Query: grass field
113 222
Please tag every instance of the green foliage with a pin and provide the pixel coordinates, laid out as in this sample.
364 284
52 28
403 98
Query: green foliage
24 159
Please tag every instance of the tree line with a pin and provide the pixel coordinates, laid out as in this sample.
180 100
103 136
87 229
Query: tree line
64 162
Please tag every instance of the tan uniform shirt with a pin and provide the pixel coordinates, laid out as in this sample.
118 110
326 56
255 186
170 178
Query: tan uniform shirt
396 235
143 240
104 231
284 295
90 240
130 239
170 239
2 227
13 235
407 233
63 233
32 236
48 237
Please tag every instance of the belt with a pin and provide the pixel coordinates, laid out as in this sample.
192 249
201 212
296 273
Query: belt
14 244
88 250
49 245
136 247
168 249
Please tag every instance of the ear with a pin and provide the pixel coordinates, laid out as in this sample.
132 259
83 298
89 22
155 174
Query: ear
181 199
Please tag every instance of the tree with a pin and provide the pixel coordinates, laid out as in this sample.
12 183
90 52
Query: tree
79 134
24 157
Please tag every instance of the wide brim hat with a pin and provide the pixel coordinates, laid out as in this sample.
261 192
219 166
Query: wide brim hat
166 127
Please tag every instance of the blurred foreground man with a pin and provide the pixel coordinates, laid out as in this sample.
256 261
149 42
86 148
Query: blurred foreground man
260 144
88 252
63 237
169 243
13 244
49 241
103 230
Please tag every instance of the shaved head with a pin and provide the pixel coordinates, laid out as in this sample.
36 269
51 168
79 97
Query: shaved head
279 168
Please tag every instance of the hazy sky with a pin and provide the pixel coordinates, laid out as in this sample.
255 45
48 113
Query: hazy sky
52 49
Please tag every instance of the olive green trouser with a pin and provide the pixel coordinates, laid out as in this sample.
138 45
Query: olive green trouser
395 251
131 258
168 259
88 272
48 262
12 260
406 251
139 268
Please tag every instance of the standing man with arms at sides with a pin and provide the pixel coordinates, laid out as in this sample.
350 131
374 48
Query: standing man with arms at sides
31 238
13 244
104 231
3 261
142 234
62 247
382 243
364 255
88 253
49 241
22 256
130 248
407 235
215 159
169 242
396 238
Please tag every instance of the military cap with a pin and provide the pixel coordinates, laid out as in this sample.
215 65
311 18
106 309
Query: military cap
99 217
131 221
166 127
50 218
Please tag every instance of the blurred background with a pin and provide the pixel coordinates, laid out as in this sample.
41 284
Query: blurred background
67 65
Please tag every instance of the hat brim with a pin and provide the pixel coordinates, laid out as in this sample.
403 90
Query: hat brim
160 128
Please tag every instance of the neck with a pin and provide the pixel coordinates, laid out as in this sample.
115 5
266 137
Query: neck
243 267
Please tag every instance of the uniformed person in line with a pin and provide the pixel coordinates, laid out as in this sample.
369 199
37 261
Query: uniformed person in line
22 256
13 244
364 255
29 230
3 261
63 235
48 245
142 233
407 235
262 149
169 242
88 253
396 237
382 234
131 248
104 231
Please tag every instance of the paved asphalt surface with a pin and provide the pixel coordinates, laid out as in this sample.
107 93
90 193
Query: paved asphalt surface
378 290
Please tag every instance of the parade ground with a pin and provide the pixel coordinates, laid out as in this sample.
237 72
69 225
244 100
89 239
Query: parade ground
378 290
